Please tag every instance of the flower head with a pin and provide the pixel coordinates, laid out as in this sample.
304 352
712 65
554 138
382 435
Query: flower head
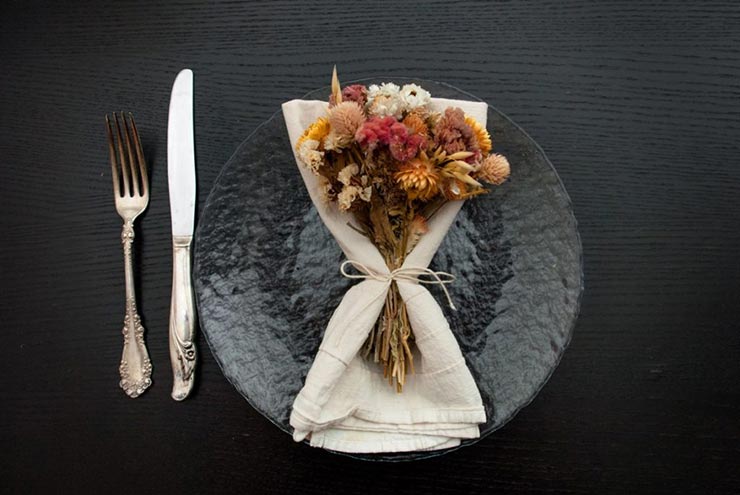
384 100
375 131
416 123
356 93
309 154
346 196
344 120
418 178
481 134
495 169
317 131
413 96
453 134
345 175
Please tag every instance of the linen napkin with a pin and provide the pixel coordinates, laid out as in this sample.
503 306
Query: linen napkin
346 404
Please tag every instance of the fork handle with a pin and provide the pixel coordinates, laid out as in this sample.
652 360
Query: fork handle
182 320
135 368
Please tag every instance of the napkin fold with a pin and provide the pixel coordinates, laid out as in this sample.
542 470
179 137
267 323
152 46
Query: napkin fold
346 404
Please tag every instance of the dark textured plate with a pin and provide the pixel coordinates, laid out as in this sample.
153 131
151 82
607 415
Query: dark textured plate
267 273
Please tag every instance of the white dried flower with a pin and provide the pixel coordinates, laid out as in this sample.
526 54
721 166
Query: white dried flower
347 196
309 154
384 100
366 193
326 192
345 175
413 96
334 142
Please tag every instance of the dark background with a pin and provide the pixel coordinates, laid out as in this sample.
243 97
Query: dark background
636 104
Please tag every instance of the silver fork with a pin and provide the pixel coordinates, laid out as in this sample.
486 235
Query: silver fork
131 192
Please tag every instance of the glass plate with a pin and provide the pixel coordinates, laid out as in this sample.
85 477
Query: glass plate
267 273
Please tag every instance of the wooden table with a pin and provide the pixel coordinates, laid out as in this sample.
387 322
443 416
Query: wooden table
636 104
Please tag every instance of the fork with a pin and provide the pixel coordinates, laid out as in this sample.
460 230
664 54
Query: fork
131 192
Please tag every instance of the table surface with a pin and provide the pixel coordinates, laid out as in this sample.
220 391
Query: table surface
637 104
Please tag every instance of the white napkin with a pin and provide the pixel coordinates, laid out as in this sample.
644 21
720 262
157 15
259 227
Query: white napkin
346 404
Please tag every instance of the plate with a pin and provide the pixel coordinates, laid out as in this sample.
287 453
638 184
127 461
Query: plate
267 279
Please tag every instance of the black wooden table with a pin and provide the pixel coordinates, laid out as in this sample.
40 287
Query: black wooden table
636 104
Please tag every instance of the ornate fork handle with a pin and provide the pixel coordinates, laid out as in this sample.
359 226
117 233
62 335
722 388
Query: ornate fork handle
135 368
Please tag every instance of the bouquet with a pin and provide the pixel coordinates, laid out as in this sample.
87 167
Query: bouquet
382 154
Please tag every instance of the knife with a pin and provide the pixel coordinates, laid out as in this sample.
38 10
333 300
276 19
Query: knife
181 178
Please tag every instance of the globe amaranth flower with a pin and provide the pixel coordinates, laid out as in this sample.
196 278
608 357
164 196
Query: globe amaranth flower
495 169
344 120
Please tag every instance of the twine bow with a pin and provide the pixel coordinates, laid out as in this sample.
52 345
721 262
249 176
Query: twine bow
410 274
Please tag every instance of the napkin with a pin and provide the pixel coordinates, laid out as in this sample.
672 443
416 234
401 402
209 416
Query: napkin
345 404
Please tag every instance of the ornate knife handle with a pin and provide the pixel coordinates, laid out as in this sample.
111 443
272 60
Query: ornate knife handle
182 320
135 368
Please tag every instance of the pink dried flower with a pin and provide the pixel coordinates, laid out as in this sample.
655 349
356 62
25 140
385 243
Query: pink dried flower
354 92
375 131
345 119
405 147
495 169
453 134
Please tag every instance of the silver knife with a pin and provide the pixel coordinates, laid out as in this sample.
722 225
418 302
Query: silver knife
181 175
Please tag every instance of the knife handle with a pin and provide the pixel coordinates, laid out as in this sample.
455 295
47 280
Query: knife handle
182 320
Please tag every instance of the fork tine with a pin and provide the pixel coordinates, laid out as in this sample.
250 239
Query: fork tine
140 156
112 153
122 159
131 162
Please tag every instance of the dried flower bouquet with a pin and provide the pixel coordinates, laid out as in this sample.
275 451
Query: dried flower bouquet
382 154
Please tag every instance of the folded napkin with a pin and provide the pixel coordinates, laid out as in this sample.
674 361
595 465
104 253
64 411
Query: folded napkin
346 404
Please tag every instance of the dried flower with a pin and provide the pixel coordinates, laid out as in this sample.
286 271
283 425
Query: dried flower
366 193
356 93
453 134
347 196
375 131
345 175
419 178
326 191
384 100
481 134
317 131
413 96
495 169
405 146
310 156
417 228
344 119
416 123
454 189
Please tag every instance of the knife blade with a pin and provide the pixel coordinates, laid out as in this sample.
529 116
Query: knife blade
181 181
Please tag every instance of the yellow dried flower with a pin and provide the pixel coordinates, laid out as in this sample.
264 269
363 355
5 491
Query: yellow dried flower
495 169
419 178
481 134
317 131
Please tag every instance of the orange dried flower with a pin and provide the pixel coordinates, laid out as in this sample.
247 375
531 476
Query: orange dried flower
416 124
419 178
481 134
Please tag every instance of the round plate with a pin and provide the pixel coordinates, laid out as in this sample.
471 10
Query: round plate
267 273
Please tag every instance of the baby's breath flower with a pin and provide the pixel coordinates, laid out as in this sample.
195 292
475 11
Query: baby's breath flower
309 154
345 175
347 196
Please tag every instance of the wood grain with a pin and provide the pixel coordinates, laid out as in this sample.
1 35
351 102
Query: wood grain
636 103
